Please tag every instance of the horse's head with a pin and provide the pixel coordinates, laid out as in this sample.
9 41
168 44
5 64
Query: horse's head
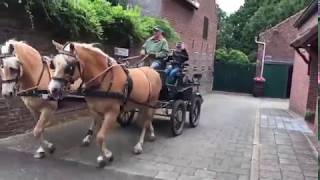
10 69
66 68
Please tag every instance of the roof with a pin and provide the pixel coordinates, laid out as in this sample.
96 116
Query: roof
304 39
281 23
308 12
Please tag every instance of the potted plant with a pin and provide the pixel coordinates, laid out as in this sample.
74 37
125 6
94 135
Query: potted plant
310 116
258 89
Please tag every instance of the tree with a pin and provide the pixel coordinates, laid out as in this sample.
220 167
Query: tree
232 56
239 29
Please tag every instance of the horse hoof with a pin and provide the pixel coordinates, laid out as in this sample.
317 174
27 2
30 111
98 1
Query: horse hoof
110 159
152 138
85 143
51 149
39 155
102 162
137 149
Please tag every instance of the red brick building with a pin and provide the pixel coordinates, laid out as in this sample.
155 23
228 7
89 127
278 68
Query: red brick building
196 23
197 26
278 39
305 74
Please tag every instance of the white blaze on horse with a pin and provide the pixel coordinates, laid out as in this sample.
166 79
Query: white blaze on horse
24 73
109 89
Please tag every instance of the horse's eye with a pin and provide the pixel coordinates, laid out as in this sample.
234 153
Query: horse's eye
69 70
52 65
13 70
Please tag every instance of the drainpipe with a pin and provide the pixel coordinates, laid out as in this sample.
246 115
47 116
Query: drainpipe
263 55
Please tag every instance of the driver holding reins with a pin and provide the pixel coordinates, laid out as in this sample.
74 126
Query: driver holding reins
157 49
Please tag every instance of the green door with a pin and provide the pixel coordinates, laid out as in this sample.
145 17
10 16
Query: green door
277 76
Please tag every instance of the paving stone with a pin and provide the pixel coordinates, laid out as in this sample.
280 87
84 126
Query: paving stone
164 167
292 175
269 167
288 161
244 177
167 175
186 177
240 171
294 168
227 176
270 174
205 174
311 178
308 173
185 170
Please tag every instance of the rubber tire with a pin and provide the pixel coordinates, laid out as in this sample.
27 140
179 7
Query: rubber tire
178 106
194 118
125 122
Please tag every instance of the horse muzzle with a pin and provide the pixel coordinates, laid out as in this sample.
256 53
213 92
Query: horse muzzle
8 90
56 89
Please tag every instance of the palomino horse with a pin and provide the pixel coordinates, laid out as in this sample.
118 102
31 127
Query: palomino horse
24 73
109 89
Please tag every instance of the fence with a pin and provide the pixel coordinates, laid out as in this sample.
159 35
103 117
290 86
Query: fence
233 77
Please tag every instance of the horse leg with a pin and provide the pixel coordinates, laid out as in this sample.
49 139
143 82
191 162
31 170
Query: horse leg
107 124
147 115
38 132
87 139
152 136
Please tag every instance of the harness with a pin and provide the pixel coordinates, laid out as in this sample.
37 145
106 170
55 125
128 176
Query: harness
33 91
91 91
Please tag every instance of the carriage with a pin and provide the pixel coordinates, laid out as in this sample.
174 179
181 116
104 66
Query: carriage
176 102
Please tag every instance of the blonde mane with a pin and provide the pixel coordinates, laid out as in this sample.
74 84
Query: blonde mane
90 47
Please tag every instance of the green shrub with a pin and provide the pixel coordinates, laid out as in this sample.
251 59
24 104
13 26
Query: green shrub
95 18
232 56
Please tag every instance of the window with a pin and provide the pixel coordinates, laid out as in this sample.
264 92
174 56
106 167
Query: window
205 28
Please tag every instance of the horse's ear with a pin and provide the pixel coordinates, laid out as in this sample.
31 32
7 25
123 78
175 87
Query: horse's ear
11 49
47 59
58 46
71 47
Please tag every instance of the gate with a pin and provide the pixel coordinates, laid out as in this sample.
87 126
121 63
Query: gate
233 77
278 80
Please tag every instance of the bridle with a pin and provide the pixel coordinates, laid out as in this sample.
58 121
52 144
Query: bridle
70 69
16 79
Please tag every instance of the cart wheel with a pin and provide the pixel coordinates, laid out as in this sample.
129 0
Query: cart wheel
194 112
178 117
125 118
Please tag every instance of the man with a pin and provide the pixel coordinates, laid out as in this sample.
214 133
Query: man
157 49
179 56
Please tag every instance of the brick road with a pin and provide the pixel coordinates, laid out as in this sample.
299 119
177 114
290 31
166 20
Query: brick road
238 137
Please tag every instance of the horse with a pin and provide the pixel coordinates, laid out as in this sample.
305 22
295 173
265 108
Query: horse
25 73
109 89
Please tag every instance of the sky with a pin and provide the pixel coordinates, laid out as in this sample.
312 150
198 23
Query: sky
230 6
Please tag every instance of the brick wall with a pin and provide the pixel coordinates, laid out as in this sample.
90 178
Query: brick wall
278 39
303 94
313 85
188 22
15 118
300 85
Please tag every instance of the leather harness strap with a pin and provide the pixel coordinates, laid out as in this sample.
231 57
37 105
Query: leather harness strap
33 91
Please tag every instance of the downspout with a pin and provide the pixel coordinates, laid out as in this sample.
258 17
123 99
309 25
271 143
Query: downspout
263 55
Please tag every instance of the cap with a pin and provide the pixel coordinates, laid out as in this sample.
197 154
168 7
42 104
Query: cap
157 28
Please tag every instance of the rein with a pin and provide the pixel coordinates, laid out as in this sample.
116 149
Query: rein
38 81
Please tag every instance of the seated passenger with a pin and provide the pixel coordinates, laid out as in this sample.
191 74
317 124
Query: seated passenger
157 49
179 56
